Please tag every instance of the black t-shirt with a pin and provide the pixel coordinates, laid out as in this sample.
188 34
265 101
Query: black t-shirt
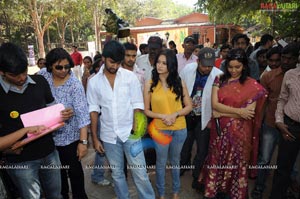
197 92
12 105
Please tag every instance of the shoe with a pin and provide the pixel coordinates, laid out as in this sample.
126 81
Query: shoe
256 194
104 182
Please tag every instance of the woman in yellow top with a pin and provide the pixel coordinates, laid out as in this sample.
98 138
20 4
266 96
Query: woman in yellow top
169 100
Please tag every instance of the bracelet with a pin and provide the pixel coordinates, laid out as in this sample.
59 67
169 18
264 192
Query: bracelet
177 114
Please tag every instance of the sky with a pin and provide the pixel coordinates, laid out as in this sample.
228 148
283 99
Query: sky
186 2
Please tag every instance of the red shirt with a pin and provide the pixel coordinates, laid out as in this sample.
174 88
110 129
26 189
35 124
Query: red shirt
77 58
218 62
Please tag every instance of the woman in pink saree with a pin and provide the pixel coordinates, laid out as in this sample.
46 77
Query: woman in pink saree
237 101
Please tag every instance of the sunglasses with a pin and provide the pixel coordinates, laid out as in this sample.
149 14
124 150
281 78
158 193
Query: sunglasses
60 67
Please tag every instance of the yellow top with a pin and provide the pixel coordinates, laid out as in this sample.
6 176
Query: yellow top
164 102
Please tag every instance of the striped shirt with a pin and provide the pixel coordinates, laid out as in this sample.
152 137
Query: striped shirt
289 98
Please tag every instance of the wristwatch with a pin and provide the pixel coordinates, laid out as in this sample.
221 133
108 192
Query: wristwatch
84 142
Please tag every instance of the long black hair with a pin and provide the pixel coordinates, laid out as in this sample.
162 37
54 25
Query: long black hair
239 55
173 79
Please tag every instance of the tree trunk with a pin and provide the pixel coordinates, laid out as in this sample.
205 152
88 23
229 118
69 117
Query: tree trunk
48 40
40 38
72 34
96 28
39 29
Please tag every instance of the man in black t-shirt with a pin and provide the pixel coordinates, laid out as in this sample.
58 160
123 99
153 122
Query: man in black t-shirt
19 93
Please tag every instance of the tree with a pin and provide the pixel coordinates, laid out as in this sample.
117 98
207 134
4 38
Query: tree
67 21
42 16
15 24
249 12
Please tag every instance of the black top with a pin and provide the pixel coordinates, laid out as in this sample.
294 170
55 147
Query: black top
12 105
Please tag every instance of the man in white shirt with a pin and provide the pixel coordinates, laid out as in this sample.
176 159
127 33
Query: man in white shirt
146 62
187 56
118 92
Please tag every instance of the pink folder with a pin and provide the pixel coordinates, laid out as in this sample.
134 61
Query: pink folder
49 117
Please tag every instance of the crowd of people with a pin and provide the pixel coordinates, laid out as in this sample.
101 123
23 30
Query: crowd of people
235 102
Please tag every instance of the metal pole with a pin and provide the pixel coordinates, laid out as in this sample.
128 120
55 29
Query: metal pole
215 31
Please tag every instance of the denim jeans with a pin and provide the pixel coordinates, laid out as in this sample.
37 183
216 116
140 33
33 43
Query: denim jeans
269 139
172 151
98 172
115 156
36 176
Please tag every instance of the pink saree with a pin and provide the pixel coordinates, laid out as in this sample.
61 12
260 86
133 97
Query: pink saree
229 156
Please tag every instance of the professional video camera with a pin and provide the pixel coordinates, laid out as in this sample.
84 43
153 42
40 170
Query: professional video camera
116 25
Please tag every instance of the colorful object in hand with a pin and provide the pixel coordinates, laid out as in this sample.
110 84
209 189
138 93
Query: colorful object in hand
158 136
137 147
140 120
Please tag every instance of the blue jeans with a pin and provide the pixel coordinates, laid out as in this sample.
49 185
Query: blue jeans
269 139
98 171
173 150
115 156
36 176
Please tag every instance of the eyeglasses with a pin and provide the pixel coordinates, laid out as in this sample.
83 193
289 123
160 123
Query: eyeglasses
60 67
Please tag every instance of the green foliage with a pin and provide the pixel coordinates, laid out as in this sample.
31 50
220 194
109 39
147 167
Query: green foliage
249 13
73 20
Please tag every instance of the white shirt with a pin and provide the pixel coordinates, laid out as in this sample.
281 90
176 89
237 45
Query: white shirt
144 64
188 74
117 105
140 75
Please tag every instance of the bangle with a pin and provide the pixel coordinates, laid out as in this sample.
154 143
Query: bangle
177 114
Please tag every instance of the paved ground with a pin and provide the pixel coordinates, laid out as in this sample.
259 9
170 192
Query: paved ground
107 192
